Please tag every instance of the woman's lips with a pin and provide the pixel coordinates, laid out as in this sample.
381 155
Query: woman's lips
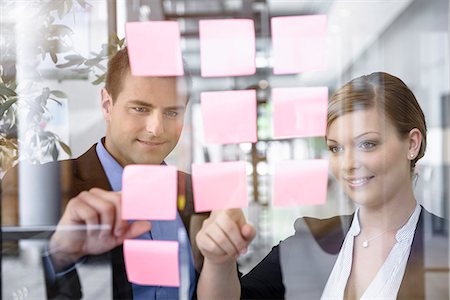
358 182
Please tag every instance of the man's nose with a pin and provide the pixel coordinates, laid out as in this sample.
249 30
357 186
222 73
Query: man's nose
155 123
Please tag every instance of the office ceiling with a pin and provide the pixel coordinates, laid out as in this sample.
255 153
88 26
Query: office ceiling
353 26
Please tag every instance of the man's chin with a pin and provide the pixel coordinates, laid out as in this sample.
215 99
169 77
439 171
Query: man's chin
149 159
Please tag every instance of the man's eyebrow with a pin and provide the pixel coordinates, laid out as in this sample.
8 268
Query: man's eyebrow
140 103
176 107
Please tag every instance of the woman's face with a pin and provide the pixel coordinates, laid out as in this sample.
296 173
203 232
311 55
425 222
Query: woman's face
368 158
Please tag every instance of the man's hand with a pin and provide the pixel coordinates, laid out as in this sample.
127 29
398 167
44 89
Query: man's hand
224 236
91 224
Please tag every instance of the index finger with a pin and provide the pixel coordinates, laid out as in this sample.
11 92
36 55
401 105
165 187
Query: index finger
120 226
232 229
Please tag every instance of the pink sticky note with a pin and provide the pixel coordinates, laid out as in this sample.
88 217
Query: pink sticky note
299 112
227 47
219 185
154 48
300 182
149 192
152 262
299 44
229 116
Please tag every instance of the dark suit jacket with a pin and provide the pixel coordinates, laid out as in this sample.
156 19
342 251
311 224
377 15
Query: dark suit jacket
82 174
299 267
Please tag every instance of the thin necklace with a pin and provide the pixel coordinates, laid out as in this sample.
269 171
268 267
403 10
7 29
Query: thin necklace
366 244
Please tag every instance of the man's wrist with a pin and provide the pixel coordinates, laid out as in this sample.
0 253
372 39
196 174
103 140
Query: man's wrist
60 259
52 272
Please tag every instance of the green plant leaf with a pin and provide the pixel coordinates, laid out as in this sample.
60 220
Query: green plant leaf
54 152
83 3
59 30
5 91
62 9
65 8
12 85
102 68
68 64
54 57
6 105
75 57
57 101
82 70
49 7
121 42
115 39
65 147
93 61
99 79
59 94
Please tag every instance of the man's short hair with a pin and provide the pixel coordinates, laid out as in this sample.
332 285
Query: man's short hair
119 68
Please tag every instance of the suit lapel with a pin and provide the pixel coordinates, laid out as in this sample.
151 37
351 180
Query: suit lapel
413 283
88 173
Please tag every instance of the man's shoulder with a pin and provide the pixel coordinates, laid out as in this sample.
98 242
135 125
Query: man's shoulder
69 169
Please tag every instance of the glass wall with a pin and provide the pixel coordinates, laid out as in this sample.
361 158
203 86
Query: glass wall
53 62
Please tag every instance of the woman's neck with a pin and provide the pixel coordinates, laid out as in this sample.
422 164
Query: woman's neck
389 215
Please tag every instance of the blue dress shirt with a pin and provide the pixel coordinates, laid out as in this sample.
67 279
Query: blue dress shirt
161 230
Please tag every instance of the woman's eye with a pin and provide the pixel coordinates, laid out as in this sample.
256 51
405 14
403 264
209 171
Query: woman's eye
367 145
335 149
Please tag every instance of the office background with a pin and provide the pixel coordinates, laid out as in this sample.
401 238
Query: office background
408 38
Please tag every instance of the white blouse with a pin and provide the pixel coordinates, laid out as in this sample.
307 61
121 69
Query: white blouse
387 281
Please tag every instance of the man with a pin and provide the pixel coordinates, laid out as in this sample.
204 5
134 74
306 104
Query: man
144 117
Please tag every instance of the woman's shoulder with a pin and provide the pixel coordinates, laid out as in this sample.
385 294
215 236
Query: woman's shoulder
327 233
322 226
427 216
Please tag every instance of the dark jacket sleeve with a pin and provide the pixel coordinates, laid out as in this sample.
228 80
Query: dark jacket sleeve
63 287
265 280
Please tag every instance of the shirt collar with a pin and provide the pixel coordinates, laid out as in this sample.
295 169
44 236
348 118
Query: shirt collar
407 230
403 233
113 169
355 228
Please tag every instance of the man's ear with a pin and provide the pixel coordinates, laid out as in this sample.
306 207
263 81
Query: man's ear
107 104
415 141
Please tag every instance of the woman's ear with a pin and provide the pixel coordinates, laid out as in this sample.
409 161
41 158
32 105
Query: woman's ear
415 141
107 104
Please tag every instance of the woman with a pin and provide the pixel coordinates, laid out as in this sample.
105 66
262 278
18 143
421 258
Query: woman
376 133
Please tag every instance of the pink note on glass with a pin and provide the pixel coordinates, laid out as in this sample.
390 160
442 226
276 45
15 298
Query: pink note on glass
154 48
299 44
300 182
229 117
149 192
227 47
299 112
219 185
152 262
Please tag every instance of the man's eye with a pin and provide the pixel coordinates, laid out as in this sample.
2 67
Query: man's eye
139 109
335 149
171 114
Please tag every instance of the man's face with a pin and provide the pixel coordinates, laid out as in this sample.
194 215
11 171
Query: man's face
145 121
